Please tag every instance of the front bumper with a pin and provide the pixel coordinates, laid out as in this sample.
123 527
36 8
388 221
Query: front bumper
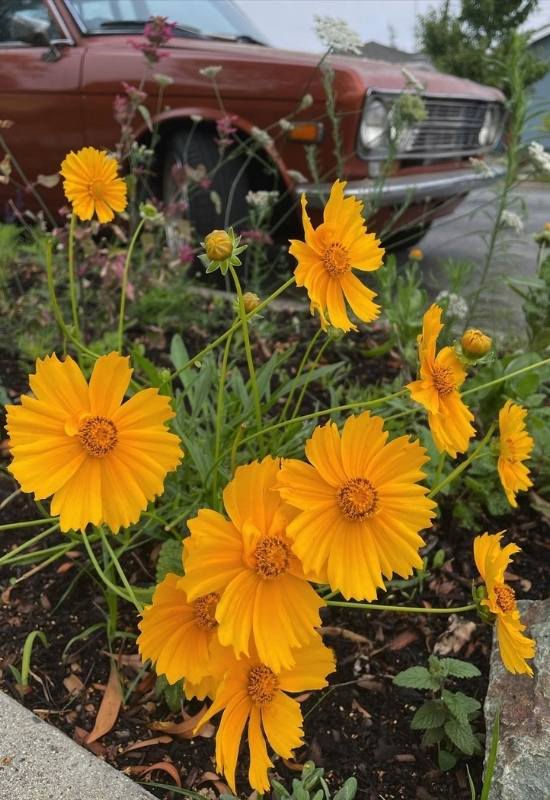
410 189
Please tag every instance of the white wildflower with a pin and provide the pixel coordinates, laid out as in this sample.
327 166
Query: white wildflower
163 80
481 166
210 72
196 118
412 80
336 35
512 220
305 102
261 199
261 136
539 157
296 176
456 306
285 125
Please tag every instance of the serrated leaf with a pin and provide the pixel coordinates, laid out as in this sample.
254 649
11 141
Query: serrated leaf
169 559
460 705
461 735
445 760
430 715
460 669
416 678
433 736
348 790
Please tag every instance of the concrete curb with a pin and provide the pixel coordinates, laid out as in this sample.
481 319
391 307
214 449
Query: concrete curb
38 762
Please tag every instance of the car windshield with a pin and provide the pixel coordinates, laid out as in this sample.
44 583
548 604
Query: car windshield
207 17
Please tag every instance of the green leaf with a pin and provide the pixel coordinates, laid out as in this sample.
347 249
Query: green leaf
416 678
460 669
277 788
169 559
430 715
432 736
348 790
491 759
144 111
461 735
460 705
445 760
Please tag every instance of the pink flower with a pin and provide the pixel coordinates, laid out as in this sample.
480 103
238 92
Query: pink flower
257 236
186 254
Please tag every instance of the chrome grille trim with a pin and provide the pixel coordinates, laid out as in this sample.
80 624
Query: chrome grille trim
451 129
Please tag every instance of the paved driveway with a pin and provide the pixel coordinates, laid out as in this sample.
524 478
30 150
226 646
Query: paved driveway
461 236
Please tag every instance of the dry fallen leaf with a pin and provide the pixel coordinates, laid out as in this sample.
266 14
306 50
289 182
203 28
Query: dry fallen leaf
147 743
73 684
80 735
344 633
186 727
458 633
109 707
147 769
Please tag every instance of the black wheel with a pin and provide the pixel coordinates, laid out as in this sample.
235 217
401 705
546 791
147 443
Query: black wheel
229 181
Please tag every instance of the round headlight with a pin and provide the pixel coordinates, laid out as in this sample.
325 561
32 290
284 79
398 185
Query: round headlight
489 128
374 126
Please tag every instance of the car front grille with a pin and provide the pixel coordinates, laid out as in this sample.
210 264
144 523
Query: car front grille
450 130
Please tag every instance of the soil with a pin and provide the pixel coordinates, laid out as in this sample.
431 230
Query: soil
360 726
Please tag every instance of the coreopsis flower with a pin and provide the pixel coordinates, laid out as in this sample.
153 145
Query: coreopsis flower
265 598
92 184
254 692
491 561
328 255
361 505
441 376
416 254
475 343
102 459
178 637
515 448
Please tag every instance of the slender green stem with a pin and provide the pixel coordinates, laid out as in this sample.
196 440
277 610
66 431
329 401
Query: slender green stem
507 377
236 441
118 567
401 609
229 332
116 589
463 464
6 558
67 333
303 362
220 418
326 411
124 284
318 357
248 350
29 523
72 280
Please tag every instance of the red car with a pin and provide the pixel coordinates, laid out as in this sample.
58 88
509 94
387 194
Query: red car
63 61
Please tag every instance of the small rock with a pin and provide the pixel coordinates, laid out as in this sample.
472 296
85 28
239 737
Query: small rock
523 760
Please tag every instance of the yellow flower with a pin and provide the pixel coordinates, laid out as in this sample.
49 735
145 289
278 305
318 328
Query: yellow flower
265 598
515 448
101 459
547 226
491 561
441 376
328 255
253 691
92 184
218 245
251 301
361 505
179 636
416 254
475 343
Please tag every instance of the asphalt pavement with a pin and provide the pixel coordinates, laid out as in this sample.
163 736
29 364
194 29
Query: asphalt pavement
463 236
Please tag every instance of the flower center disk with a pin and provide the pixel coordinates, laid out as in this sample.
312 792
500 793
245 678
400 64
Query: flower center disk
272 557
443 381
357 499
262 684
97 190
205 610
508 450
506 598
98 436
336 259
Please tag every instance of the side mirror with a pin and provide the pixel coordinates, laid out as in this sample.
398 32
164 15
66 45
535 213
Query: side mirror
30 29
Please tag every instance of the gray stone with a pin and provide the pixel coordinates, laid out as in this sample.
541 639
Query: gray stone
523 761
38 762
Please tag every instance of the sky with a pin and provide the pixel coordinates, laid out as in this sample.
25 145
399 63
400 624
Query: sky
289 23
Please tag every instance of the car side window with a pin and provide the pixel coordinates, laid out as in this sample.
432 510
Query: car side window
13 31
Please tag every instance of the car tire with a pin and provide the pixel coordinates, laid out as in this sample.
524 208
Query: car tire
196 148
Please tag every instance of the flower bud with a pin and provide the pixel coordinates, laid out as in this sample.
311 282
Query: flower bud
416 254
251 301
547 226
218 245
475 343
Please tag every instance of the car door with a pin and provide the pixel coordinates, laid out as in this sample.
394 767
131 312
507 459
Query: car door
39 89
